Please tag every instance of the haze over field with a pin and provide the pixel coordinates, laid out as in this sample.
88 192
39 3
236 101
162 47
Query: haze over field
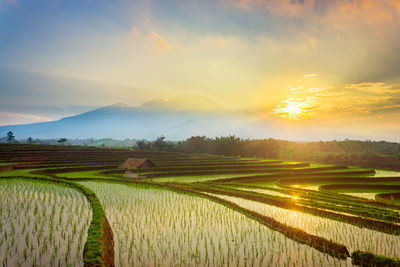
299 70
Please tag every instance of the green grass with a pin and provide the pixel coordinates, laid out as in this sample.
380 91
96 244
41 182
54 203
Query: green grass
7 164
349 171
198 178
22 173
362 190
82 174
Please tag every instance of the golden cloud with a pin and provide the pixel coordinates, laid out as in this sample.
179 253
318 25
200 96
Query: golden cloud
329 103
158 42
151 40
340 14
8 118
376 88
310 75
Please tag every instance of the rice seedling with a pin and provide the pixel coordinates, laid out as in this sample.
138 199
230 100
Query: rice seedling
362 195
353 237
34 228
156 227
385 173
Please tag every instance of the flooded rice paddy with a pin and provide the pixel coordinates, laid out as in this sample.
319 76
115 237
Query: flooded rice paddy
42 224
155 227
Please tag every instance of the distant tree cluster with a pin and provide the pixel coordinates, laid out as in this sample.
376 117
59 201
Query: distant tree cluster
224 145
160 144
62 141
334 151
10 137
349 152
231 146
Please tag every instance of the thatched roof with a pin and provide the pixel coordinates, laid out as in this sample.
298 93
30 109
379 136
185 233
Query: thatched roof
132 163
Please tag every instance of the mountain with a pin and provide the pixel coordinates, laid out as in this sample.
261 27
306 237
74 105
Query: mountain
177 118
184 102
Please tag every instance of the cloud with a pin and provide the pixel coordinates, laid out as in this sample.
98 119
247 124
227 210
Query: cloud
357 39
296 89
379 17
158 42
219 41
383 11
13 2
150 39
281 7
310 75
10 118
376 88
5 3
349 103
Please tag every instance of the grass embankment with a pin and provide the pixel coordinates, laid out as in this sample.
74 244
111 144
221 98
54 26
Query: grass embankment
339 180
296 176
391 198
234 166
368 259
375 187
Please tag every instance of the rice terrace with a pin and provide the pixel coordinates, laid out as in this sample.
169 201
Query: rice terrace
199 133
73 206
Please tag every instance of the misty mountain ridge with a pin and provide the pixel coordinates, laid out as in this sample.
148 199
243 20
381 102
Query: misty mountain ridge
179 117
184 102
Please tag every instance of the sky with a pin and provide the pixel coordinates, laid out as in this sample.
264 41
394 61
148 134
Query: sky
330 64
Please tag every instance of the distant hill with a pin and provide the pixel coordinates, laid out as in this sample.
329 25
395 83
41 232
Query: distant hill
177 118
184 102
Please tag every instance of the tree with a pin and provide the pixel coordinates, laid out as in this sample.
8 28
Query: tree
197 144
62 141
228 145
143 145
10 137
159 144
30 140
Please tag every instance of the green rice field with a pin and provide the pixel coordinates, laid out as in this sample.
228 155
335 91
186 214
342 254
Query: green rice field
74 206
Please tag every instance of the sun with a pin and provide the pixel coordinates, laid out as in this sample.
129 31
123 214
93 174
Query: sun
294 109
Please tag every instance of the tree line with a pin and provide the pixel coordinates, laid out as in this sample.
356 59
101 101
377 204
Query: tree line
224 145
322 151
340 152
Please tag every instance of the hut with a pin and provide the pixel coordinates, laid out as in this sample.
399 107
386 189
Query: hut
132 166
